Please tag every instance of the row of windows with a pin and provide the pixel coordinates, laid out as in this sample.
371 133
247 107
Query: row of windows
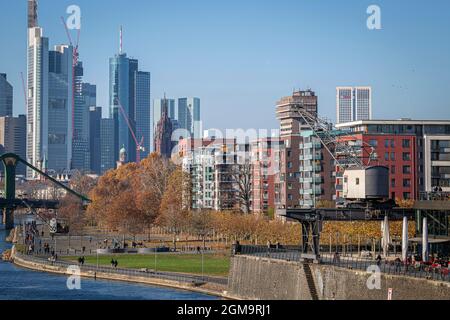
406 156
406 183
406 143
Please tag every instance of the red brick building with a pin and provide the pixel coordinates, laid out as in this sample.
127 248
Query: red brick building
264 168
395 151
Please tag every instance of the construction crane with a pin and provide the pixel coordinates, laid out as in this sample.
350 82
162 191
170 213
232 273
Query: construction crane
342 153
139 145
364 186
75 57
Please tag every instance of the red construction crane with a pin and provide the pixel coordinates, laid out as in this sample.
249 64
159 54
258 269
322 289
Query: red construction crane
139 145
75 57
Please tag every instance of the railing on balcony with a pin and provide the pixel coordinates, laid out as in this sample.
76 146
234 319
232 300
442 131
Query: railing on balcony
434 196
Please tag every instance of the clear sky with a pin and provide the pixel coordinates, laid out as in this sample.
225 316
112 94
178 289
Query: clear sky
241 56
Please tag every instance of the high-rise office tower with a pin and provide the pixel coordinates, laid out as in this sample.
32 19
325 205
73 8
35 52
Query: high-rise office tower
95 118
59 154
122 100
189 116
85 97
291 123
119 84
143 110
353 104
49 110
6 96
37 95
13 138
107 145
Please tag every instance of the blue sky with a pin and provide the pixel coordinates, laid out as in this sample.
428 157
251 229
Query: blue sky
240 57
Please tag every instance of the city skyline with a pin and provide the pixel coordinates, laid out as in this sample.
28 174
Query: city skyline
393 69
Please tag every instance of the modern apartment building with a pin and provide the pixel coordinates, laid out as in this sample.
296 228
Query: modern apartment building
395 151
6 96
353 103
212 165
422 144
264 160
305 168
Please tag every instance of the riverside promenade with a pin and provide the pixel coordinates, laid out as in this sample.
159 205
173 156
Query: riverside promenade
214 286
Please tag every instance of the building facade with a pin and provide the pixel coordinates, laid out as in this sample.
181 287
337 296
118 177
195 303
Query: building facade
107 146
49 100
353 103
163 143
6 96
305 174
95 118
157 112
395 151
60 109
264 170
291 123
189 116
13 138
129 95
85 98
426 153
212 165
143 111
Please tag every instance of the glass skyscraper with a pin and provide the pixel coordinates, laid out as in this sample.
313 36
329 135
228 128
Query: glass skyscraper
49 100
143 110
119 101
59 154
95 118
6 96
189 116
107 146
124 89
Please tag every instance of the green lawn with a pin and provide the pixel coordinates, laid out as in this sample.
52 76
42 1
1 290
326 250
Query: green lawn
214 265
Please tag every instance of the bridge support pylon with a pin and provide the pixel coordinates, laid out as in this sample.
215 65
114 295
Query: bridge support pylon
9 163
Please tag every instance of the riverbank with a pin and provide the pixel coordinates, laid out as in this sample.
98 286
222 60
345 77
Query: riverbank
212 289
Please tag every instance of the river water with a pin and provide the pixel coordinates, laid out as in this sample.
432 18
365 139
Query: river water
23 284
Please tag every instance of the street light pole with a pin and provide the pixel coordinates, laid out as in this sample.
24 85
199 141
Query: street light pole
203 275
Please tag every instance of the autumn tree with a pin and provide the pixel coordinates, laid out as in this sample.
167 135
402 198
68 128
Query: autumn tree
152 181
242 175
200 224
173 215
114 203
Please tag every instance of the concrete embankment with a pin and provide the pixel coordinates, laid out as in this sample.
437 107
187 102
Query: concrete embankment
208 288
268 279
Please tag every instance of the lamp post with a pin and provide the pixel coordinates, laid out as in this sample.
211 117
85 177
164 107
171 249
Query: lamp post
203 275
